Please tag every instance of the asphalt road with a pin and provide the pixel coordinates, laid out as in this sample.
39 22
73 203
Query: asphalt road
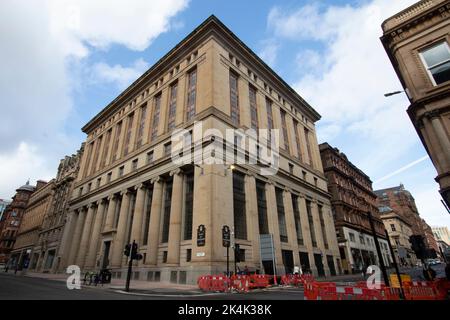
26 288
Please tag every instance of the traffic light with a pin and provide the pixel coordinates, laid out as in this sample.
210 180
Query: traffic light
127 250
237 255
134 248
226 236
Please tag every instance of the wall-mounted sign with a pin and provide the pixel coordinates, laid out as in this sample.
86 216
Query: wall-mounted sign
226 236
201 235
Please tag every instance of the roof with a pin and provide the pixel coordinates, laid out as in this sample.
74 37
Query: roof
27 187
209 24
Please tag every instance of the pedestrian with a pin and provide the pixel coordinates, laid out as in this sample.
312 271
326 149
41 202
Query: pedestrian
246 272
447 270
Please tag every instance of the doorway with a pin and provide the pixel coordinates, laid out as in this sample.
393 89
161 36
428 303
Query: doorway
105 262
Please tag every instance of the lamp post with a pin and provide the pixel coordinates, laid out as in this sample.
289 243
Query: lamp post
377 246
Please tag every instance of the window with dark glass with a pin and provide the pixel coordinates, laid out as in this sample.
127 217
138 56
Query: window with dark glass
262 207
134 164
192 84
298 224
239 213
297 140
106 148
98 144
116 141
234 98
156 112
172 106
189 206
311 223
142 119
164 256
166 214
167 149
322 224
121 170
437 62
126 147
281 215
308 146
188 255
88 158
269 118
285 132
253 107
148 209
149 157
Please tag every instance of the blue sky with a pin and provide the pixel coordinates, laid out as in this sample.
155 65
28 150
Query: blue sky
72 58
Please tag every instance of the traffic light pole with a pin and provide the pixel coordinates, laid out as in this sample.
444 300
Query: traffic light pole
394 261
377 246
130 268
228 261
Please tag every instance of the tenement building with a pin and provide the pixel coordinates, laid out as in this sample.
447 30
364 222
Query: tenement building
23 255
399 231
51 231
417 43
352 200
129 188
11 219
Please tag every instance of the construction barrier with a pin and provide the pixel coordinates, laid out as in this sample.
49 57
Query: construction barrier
259 281
240 283
296 279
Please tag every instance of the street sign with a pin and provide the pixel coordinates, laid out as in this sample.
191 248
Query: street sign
226 239
201 235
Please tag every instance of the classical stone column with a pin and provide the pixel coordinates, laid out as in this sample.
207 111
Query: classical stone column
290 225
110 213
119 239
136 228
251 207
176 210
84 242
319 235
307 233
155 217
274 229
64 246
95 235
76 236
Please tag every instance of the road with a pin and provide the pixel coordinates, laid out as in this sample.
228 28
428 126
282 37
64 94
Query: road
24 288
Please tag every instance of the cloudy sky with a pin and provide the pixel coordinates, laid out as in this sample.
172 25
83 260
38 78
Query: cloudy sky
62 61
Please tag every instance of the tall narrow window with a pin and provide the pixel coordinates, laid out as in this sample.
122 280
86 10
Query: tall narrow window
166 216
88 158
281 215
240 219
262 207
148 209
126 147
140 132
308 146
172 106
98 145
311 223
269 118
116 141
297 140
189 206
298 224
155 121
106 148
192 84
285 132
253 108
437 62
322 224
234 98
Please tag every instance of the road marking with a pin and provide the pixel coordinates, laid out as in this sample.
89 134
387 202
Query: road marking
169 295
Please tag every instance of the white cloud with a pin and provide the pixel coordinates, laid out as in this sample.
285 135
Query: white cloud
121 76
42 44
269 51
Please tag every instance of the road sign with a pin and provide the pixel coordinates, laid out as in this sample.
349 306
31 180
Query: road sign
201 235
226 239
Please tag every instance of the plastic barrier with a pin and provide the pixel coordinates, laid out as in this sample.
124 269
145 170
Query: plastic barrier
219 283
259 281
240 283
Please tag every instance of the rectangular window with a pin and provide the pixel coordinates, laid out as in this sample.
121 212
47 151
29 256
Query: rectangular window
393 227
437 61
164 256
99 182
167 149
188 255
149 157
172 106
269 118
96 154
291 168
189 206
281 215
116 141
297 140
311 223
121 170
361 239
285 132
234 98
308 146
253 108
88 158
106 148
148 209
166 216
141 127
126 146
108 177
262 207
352 237
298 224
134 165
156 112
191 94
322 224
240 218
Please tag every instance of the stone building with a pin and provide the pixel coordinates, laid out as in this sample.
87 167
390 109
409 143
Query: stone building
3 205
399 231
417 43
430 240
51 232
402 203
352 198
441 234
27 236
129 188
11 219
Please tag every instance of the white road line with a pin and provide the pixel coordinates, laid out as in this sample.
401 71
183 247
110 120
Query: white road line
168 295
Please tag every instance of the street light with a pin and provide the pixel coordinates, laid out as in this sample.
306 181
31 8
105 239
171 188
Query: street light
392 93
